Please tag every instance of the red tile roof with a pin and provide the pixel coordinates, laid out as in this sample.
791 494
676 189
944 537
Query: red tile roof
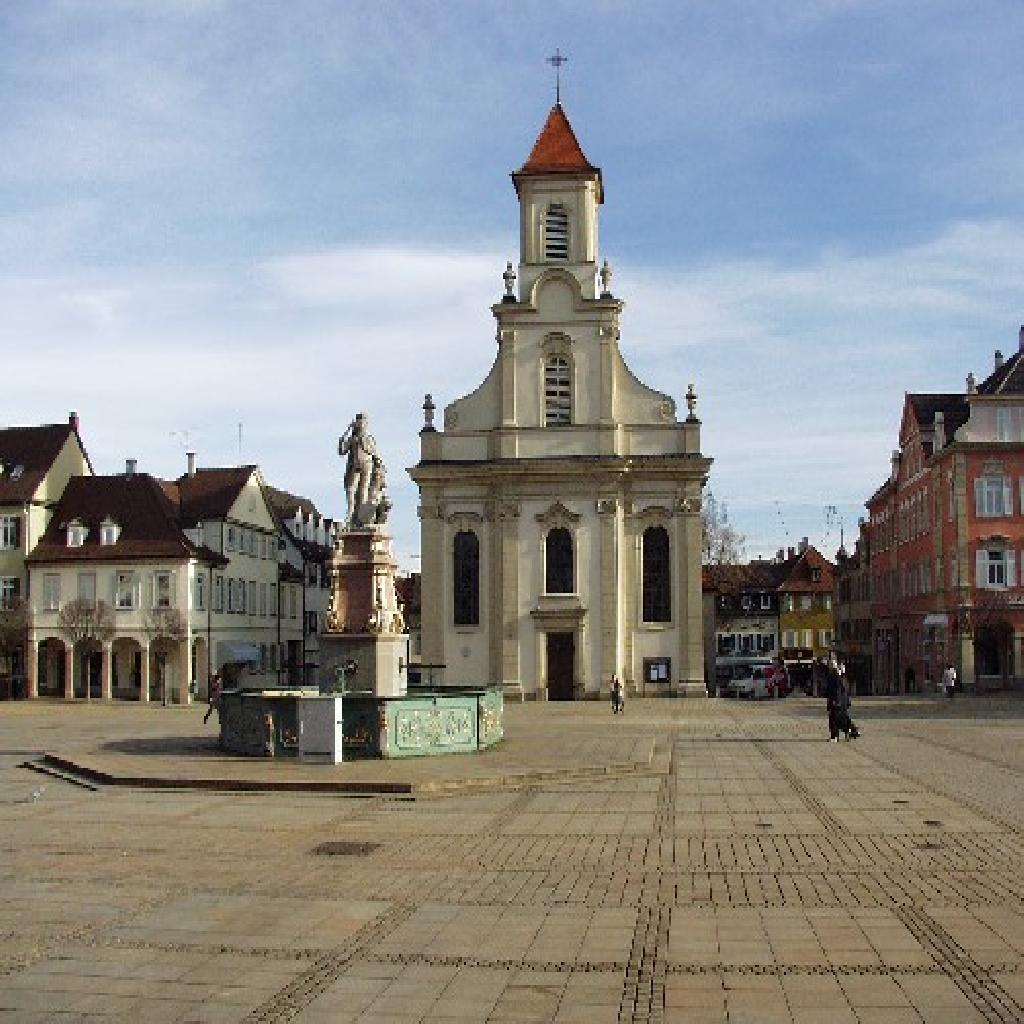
557 150
138 504
209 494
34 449
799 572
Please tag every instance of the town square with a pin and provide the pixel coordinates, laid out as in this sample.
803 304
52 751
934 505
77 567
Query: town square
511 513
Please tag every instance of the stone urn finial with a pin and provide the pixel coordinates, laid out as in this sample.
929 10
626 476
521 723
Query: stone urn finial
606 280
691 402
428 412
509 278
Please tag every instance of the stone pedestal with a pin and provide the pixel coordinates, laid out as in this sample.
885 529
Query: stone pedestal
364 622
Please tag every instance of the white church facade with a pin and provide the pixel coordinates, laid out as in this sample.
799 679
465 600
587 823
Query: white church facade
560 503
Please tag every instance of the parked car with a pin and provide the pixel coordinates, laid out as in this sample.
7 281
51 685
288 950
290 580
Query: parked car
757 680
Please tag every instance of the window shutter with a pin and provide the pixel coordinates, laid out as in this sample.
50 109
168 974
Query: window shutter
17 530
16 587
173 596
1011 568
1007 497
981 568
979 497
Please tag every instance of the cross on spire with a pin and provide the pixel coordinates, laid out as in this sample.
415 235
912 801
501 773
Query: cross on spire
556 62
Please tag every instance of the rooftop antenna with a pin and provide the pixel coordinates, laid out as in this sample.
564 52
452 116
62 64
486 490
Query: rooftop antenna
556 62
239 443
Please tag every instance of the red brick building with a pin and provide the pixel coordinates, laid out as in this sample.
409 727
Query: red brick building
945 532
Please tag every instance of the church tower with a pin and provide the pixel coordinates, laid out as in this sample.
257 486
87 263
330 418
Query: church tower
560 503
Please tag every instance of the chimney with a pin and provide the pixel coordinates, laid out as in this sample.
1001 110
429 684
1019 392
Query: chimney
972 384
780 555
790 552
130 466
998 360
939 432
894 462
191 456
803 545
73 416
1020 339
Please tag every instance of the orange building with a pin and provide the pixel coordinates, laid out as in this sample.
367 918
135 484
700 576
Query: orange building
945 531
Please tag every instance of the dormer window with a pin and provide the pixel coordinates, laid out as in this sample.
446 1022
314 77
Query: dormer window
16 472
76 534
557 391
109 532
556 233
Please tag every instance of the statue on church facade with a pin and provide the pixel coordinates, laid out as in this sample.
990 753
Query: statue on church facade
364 475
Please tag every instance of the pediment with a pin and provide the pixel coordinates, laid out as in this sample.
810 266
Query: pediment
558 514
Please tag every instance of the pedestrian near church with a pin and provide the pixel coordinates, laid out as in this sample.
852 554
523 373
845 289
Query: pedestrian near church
213 697
618 698
949 680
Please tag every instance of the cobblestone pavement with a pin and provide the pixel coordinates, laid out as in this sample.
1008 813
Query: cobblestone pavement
725 864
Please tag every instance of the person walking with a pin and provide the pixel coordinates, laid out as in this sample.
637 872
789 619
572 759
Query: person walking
618 699
835 700
213 697
949 680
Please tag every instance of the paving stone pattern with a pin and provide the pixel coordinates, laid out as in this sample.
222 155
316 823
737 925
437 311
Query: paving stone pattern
690 861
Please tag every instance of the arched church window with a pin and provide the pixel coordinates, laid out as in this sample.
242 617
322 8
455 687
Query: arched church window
558 562
466 578
556 233
557 391
657 576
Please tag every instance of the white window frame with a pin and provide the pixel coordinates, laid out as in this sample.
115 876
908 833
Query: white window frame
200 592
163 589
81 590
9 589
9 532
51 591
125 590
1004 423
993 496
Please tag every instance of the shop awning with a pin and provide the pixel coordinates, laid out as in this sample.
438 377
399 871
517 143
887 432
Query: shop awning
936 619
240 654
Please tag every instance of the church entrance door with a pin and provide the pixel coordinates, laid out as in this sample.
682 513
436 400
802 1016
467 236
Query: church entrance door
561 649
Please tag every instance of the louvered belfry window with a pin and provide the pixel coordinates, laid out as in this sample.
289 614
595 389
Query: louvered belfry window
466 578
557 391
556 233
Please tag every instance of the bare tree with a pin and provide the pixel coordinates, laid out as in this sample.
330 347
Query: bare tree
86 624
722 543
13 630
165 628
81 621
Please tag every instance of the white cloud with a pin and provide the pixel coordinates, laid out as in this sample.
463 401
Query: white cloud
801 369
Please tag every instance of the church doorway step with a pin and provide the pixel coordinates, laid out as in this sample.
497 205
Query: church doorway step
561 651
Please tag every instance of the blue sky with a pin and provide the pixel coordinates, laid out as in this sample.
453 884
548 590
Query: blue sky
214 212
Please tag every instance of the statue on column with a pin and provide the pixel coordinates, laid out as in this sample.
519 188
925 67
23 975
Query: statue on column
365 477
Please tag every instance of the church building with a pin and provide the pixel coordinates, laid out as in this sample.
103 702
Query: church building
560 503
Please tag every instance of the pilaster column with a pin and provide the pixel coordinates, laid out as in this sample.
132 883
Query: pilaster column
32 668
691 619
608 524
435 571
508 533
185 673
106 655
144 687
69 672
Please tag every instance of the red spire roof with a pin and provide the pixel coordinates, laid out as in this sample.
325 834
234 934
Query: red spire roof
556 150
